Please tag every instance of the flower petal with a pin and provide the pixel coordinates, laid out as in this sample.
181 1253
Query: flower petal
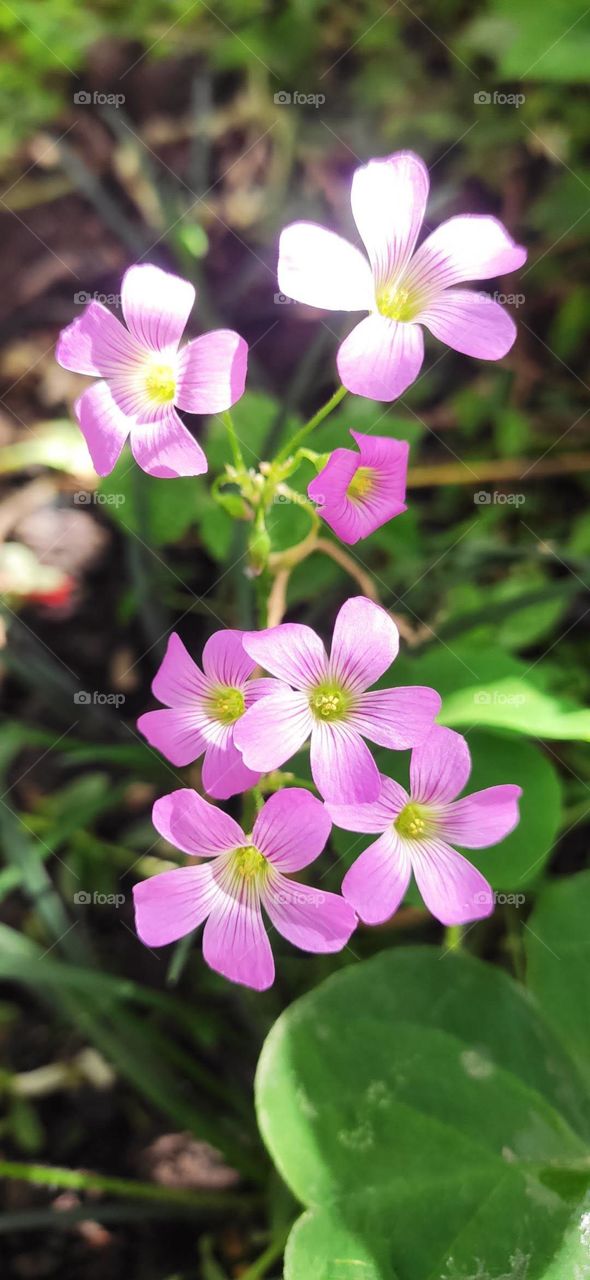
225 660
471 246
471 323
309 918
342 766
453 890
291 651
439 767
165 448
188 822
374 817
291 829
173 903
397 718
354 517
175 731
483 818
364 644
224 773
273 729
380 358
211 372
388 458
377 882
104 427
98 344
388 202
156 306
323 270
178 682
235 942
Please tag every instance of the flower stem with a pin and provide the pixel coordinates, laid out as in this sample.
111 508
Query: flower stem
78 1180
304 431
453 937
233 440
266 1259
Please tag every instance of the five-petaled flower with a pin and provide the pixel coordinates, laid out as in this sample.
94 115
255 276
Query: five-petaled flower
401 289
358 492
417 832
145 374
245 872
329 699
202 709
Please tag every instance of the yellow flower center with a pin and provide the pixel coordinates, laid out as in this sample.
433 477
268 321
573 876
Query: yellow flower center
249 861
227 704
411 822
328 702
396 303
160 383
361 484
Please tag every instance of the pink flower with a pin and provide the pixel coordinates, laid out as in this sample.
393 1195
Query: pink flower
146 375
401 289
245 873
358 492
328 700
203 708
416 831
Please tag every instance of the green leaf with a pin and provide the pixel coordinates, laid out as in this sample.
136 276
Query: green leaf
157 511
558 950
425 1114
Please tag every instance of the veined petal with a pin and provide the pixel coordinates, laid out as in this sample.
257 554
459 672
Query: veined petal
388 458
165 448
381 358
388 202
483 818
472 323
291 651
356 516
156 306
453 890
211 372
342 766
374 817
309 918
439 767
235 942
257 689
323 270
273 729
224 773
104 427
178 682
188 822
292 829
377 882
364 644
471 246
225 660
397 718
175 731
98 344
173 903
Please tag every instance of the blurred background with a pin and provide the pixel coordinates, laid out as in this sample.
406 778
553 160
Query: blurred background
188 135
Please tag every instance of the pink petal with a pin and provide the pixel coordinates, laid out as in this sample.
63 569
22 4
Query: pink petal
273 729
291 829
483 818
378 880
397 718
173 903
364 644
388 202
224 773
235 942
354 518
212 372
188 822
469 247
104 427
453 890
471 323
380 358
97 343
439 767
257 689
178 682
320 268
342 766
388 458
374 817
175 731
291 651
165 448
225 660
309 918
156 306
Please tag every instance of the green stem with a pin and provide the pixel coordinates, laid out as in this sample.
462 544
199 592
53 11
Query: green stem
304 431
233 440
266 1259
75 1179
453 937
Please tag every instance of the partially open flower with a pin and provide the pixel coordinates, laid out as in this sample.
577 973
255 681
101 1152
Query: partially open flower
358 492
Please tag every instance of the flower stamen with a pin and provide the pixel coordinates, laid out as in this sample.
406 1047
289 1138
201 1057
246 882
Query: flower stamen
411 822
249 862
396 303
362 484
160 383
328 702
227 704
